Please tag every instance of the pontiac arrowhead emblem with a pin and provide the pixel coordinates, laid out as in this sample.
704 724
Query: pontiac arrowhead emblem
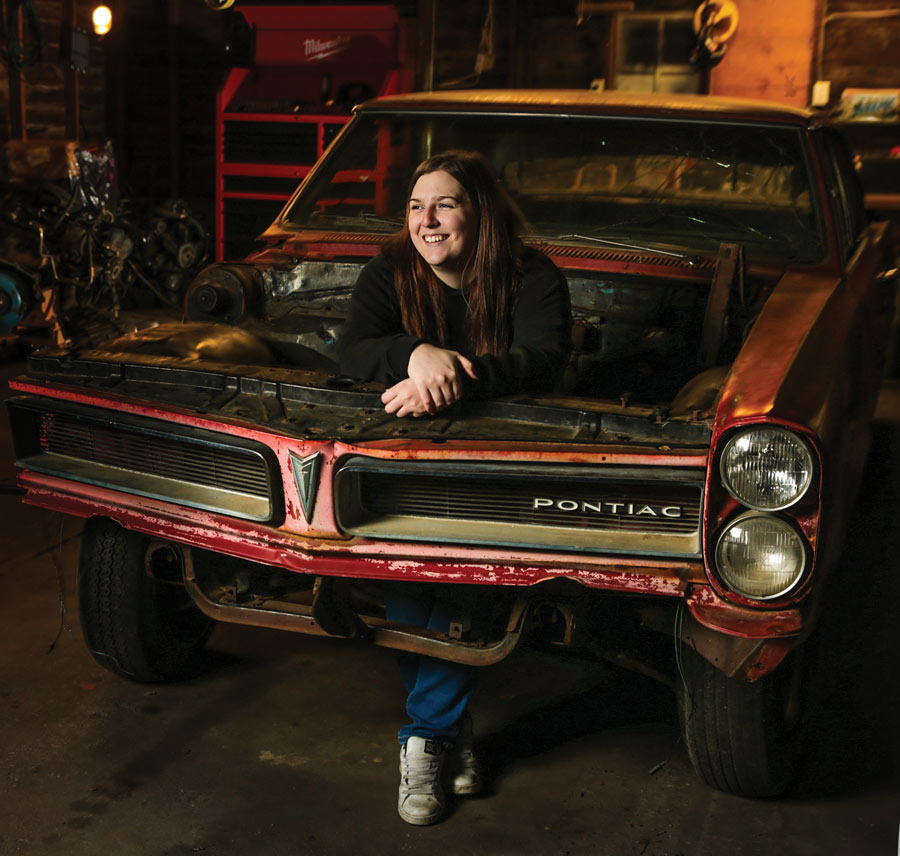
306 476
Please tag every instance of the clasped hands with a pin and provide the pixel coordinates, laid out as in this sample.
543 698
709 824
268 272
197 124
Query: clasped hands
435 381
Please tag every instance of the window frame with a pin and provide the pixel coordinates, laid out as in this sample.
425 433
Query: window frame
846 191
660 70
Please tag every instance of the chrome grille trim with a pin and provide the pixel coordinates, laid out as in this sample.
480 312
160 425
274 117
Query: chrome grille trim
562 507
148 457
218 468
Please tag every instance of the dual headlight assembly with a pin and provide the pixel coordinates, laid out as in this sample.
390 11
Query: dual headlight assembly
761 555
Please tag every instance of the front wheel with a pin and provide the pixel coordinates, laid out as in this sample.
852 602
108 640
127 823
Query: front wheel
743 738
137 618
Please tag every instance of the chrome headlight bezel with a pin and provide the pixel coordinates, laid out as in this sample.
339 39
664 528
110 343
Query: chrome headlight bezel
801 452
730 579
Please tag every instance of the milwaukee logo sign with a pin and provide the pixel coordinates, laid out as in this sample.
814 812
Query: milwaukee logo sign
318 49
616 508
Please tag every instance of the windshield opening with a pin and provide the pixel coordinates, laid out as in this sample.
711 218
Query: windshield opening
686 183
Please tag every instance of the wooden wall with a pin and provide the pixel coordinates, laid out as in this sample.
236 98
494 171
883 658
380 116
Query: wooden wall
44 84
780 48
537 43
859 44
171 77
770 54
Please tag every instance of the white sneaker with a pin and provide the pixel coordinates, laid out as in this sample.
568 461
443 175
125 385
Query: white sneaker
467 780
421 799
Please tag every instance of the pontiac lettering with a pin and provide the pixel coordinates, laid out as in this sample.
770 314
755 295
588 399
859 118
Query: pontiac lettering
618 508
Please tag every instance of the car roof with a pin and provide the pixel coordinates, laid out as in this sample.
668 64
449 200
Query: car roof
590 102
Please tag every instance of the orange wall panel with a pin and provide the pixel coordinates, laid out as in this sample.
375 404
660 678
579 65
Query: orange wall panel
769 56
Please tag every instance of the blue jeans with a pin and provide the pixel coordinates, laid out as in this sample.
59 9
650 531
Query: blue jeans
439 690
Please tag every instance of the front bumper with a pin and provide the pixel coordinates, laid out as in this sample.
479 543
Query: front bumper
294 533
356 558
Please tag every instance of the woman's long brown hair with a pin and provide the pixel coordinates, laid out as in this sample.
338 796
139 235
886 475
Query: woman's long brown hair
490 275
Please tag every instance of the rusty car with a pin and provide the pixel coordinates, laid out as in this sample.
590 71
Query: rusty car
689 481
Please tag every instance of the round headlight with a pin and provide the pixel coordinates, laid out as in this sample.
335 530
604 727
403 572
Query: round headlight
766 468
760 556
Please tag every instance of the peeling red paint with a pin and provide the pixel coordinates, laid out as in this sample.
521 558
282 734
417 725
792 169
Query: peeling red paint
357 557
718 614
573 453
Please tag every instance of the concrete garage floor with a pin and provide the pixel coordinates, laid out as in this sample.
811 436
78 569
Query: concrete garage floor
287 746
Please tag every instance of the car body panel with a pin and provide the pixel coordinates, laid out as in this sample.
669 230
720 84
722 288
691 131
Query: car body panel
800 344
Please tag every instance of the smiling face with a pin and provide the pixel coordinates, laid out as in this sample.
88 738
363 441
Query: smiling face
442 225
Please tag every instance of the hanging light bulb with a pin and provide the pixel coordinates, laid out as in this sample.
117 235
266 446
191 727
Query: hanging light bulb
102 19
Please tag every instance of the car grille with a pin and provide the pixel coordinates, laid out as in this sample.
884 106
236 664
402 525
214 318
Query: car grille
650 510
149 457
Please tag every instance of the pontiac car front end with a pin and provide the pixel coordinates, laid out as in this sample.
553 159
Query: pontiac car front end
691 477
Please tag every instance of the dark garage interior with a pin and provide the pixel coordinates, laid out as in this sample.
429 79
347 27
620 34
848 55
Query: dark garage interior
132 161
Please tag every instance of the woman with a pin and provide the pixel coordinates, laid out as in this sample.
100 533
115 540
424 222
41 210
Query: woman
455 307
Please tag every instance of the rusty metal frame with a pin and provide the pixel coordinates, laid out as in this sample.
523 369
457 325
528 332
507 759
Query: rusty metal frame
728 265
300 618
738 657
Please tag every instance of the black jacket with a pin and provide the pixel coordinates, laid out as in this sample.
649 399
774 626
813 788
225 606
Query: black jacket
373 345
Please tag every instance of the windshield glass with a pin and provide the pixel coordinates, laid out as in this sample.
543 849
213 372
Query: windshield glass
685 183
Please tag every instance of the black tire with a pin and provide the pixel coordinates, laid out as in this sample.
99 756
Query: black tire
743 738
140 625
